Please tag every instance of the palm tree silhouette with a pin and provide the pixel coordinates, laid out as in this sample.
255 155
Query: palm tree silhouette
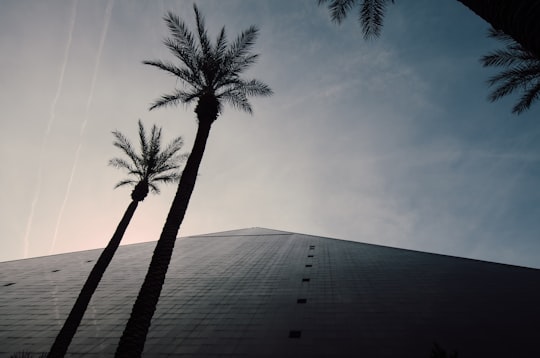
517 18
152 166
522 72
210 73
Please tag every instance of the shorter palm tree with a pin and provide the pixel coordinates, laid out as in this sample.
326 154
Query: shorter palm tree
146 170
521 72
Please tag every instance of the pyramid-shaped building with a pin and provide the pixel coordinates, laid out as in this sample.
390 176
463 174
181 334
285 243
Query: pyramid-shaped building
267 293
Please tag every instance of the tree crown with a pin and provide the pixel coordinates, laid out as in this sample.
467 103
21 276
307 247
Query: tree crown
152 165
209 68
521 72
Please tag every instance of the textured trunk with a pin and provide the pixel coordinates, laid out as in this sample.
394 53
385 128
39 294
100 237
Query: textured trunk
62 341
131 343
517 18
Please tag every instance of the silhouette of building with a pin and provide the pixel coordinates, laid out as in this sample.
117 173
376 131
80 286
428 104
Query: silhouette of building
266 293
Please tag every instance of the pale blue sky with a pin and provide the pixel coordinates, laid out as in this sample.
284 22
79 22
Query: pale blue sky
390 141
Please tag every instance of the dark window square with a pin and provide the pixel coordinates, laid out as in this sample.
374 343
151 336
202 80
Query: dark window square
295 334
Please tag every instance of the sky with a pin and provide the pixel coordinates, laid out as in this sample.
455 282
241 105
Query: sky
390 141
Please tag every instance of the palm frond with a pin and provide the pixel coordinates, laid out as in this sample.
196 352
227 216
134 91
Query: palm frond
201 30
242 45
126 182
247 88
172 149
171 178
371 17
168 161
241 64
503 86
188 58
244 42
503 58
154 188
174 99
119 163
501 36
163 168
237 99
527 99
512 79
256 88
181 33
155 145
521 72
512 54
229 73
339 8
123 143
186 75
182 43
221 44
143 144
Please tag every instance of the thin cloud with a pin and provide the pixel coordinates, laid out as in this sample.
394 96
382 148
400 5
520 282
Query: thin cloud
50 123
107 20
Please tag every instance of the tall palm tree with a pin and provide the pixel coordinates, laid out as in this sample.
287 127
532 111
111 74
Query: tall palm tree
522 72
152 166
210 72
517 18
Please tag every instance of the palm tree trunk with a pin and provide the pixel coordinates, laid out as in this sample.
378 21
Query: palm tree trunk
131 343
517 18
64 337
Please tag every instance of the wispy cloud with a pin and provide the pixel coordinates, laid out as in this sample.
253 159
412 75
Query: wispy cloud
107 19
50 123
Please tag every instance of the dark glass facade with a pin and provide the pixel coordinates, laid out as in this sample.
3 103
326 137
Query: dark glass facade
265 293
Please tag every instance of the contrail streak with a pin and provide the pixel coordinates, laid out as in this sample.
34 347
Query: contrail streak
52 116
108 12
63 68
